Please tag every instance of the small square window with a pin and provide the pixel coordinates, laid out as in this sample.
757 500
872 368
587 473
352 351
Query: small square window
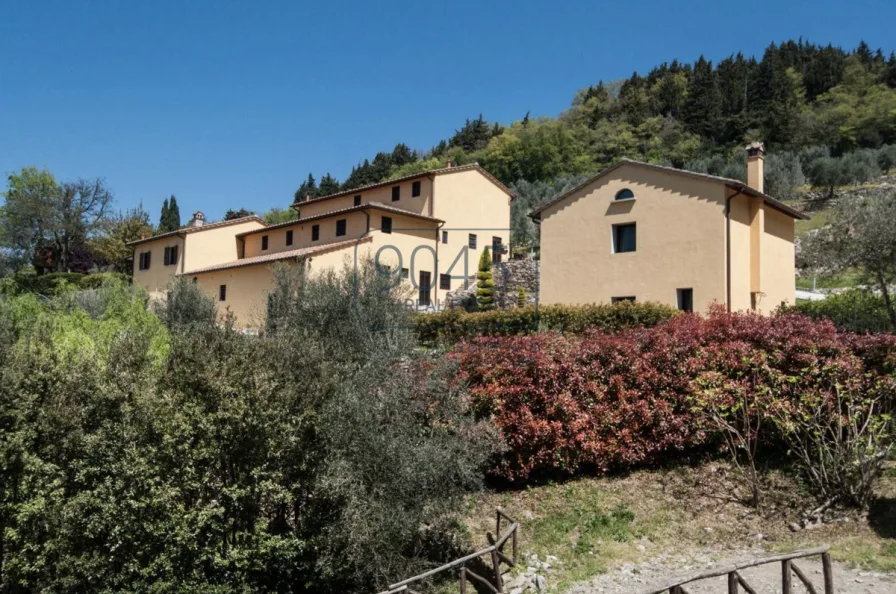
315 232
170 257
264 242
405 273
144 260
444 237
630 299
445 282
685 298
471 241
396 193
624 238
222 293
386 226
415 189
340 227
289 237
358 200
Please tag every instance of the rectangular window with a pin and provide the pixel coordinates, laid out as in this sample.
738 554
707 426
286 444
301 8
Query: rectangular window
405 274
358 200
396 193
425 281
222 293
144 260
289 237
415 189
170 257
340 227
315 232
624 238
497 249
630 299
386 226
685 299
445 282
264 242
444 237
471 242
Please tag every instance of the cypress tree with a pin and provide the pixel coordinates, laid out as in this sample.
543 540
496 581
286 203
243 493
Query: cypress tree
485 287
173 214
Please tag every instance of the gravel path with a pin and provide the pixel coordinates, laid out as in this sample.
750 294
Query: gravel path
661 570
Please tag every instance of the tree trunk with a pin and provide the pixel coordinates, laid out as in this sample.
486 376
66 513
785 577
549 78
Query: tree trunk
885 291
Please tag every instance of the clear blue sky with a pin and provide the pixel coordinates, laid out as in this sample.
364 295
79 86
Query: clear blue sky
231 104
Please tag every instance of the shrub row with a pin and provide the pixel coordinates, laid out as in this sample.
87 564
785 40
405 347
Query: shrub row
453 325
855 310
612 401
55 283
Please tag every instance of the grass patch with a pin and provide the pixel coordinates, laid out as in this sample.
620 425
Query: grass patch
845 280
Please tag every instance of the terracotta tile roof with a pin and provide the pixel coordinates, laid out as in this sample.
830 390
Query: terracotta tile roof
277 256
184 230
339 211
732 183
429 172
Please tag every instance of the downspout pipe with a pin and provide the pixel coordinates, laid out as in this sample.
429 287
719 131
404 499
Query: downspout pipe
728 247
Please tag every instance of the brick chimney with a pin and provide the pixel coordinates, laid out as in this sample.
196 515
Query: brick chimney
756 166
198 219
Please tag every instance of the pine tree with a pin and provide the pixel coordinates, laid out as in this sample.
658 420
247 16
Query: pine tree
401 155
485 287
308 189
702 112
328 185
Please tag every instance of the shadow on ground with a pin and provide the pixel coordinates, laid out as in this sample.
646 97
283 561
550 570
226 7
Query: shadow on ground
882 517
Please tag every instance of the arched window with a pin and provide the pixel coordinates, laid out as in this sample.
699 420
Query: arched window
625 194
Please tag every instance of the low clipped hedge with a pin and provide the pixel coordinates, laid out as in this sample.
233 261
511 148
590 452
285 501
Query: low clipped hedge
454 325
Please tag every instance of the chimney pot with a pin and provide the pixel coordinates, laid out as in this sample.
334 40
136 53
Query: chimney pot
756 166
449 164
198 219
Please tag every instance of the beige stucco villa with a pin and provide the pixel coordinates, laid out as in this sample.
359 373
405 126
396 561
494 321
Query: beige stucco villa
644 232
430 228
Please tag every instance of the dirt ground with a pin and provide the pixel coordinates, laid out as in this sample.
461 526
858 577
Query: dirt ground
664 569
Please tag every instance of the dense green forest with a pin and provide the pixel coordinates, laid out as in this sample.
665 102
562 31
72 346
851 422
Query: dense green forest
821 101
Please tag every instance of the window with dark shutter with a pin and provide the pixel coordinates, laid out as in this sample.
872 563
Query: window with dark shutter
497 249
264 242
144 260
340 227
396 193
174 251
386 225
358 200
471 242
415 189
222 293
445 282
444 237
289 237
624 238
315 232
166 257
685 299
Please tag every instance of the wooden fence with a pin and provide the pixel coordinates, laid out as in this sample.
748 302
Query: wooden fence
494 555
788 570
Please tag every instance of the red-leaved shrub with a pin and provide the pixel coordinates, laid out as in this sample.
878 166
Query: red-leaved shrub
612 401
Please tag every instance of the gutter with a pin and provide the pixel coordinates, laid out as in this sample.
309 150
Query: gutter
728 247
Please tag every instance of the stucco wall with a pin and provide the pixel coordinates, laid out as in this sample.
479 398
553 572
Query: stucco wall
158 276
214 246
247 289
680 241
469 203
777 270
420 204
355 226
741 252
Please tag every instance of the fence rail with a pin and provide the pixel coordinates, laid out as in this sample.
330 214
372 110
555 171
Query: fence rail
495 555
788 570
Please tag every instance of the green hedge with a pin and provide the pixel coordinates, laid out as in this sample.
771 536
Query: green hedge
55 283
453 325
855 310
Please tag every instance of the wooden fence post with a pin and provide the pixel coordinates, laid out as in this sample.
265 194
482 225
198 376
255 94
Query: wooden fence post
496 563
732 583
463 580
828 573
786 577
